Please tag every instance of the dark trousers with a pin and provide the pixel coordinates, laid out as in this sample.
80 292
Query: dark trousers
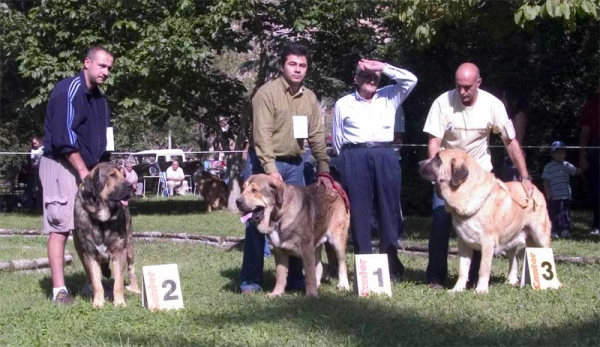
560 214
593 174
251 275
439 236
373 175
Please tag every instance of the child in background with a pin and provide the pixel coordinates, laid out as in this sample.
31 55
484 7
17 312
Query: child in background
558 190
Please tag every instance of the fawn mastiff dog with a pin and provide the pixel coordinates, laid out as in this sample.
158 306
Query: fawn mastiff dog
298 221
103 232
488 214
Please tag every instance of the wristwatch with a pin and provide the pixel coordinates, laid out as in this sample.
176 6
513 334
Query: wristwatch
528 177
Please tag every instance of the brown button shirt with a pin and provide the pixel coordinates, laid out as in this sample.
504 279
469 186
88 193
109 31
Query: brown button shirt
273 106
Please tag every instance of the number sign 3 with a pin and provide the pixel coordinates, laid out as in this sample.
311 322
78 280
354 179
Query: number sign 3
161 289
539 269
372 275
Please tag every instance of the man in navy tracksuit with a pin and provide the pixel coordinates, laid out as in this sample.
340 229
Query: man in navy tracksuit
74 140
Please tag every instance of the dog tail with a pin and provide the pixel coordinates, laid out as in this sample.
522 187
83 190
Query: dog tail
105 270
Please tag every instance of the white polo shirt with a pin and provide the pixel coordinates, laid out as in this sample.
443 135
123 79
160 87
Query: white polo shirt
468 127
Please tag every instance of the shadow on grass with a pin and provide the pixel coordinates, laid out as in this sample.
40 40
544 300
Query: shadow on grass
167 206
75 283
348 321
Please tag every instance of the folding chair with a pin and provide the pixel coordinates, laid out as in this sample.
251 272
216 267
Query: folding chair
162 185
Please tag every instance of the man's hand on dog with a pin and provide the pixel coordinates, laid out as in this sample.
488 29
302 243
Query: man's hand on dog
276 175
528 187
326 182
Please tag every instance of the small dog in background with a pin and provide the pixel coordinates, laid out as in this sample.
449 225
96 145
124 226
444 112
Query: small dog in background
212 190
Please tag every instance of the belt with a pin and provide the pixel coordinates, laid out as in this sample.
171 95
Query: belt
288 158
367 145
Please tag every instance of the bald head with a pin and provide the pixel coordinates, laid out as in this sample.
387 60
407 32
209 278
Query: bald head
467 81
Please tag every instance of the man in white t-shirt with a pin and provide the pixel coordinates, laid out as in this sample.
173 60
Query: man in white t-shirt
463 118
176 178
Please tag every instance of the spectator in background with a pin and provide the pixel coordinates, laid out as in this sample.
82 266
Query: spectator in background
32 196
589 159
557 189
132 177
516 108
399 124
176 178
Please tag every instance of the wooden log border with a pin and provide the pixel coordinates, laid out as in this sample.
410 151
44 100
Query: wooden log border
229 242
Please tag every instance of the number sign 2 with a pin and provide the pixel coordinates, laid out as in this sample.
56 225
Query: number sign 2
539 269
161 289
372 275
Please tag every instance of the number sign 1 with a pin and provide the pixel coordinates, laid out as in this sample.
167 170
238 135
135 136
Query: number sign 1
372 275
539 269
161 289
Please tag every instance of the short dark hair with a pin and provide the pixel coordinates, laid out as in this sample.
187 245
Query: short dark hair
294 49
95 49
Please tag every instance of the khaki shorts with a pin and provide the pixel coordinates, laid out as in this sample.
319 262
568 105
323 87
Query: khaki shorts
59 185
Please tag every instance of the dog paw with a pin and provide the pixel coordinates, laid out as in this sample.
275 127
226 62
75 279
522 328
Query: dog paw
133 289
98 304
274 294
479 290
457 290
343 286
119 304
513 282
312 294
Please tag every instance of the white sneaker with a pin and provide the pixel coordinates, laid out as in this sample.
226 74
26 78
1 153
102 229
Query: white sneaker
594 232
565 233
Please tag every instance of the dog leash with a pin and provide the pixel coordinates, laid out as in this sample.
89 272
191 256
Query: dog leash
338 188
527 199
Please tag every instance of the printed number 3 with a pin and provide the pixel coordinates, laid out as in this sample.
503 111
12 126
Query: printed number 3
379 275
168 295
549 274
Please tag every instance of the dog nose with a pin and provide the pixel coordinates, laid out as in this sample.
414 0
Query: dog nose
239 203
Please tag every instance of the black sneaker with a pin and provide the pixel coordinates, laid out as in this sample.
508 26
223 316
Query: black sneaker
63 298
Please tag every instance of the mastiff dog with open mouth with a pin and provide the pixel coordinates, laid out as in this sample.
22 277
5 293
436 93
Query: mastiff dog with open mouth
298 221
103 232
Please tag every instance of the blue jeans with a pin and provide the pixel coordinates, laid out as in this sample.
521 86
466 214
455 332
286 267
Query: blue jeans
437 268
251 275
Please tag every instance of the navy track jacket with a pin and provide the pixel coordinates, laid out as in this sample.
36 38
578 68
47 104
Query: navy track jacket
76 121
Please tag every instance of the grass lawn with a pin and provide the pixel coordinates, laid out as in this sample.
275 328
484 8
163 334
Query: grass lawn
215 314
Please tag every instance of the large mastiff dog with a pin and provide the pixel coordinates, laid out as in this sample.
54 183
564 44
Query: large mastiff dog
103 233
298 221
488 214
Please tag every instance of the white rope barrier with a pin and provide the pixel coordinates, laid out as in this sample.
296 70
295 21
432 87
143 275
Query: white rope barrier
396 145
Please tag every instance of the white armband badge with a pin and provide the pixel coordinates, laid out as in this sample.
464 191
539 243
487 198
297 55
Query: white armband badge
508 131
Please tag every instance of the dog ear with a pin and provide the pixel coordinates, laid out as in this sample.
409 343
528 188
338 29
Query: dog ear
459 172
89 188
277 187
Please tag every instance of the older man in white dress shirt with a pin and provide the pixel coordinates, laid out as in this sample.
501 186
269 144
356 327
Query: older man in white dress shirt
363 131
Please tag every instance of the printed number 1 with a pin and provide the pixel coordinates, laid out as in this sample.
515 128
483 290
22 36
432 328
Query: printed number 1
549 274
379 275
168 295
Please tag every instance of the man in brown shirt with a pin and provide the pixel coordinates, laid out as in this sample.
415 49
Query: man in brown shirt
285 113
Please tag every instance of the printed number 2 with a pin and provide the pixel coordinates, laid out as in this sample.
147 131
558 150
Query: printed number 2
379 275
168 295
549 274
